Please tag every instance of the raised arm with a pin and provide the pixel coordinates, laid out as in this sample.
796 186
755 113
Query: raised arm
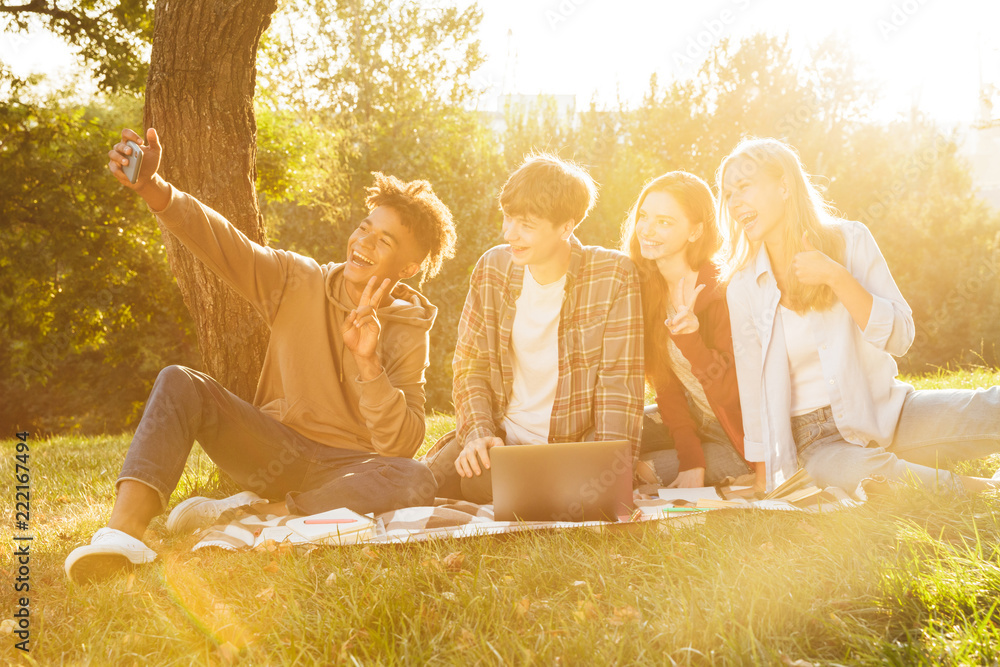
865 286
390 375
148 185
676 416
257 272
710 352
890 325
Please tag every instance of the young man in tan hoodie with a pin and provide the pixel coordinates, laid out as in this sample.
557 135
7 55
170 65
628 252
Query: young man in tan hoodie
339 408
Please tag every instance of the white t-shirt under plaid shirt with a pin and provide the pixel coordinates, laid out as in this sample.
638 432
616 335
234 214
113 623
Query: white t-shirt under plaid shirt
599 391
534 346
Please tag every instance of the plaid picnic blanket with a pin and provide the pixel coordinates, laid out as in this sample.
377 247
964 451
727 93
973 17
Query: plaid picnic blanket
246 529
242 528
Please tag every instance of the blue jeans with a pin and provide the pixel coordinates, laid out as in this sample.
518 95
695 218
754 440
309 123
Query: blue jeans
935 428
261 454
657 448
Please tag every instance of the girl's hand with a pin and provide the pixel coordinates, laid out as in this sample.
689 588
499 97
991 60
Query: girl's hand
813 267
684 320
688 479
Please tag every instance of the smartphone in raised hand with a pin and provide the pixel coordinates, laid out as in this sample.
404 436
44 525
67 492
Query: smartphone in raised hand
131 170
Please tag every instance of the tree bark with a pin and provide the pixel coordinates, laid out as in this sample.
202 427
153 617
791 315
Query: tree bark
199 97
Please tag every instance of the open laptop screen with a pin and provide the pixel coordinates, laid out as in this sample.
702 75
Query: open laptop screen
577 481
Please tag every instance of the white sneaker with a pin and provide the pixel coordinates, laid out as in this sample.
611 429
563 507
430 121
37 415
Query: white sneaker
109 550
197 512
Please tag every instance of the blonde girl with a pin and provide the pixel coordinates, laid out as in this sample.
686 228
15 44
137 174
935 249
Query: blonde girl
816 321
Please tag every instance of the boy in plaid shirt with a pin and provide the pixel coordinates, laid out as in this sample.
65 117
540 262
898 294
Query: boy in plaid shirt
550 340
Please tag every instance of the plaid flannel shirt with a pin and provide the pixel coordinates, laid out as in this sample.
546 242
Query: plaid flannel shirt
600 391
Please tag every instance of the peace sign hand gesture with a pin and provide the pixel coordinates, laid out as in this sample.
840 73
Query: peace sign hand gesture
361 327
684 320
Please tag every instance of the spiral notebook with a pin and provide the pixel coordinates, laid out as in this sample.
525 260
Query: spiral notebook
338 526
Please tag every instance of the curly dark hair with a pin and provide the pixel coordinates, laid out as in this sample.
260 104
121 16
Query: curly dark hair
420 210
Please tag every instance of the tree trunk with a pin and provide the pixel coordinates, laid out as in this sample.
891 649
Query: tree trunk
199 97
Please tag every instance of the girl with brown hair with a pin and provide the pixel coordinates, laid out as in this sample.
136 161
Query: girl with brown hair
693 436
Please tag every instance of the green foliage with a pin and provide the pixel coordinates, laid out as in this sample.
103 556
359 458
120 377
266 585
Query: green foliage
903 179
88 309
364 58
378 85
289 154
111 36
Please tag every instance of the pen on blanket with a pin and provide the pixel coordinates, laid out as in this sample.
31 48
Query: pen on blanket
315 521
685 509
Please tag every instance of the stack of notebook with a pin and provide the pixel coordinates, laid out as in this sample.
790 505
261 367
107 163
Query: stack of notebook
798 490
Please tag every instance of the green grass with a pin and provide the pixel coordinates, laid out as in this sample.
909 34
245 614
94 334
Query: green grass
909 578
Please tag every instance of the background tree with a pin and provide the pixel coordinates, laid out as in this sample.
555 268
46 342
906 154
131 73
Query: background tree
199 96
111 36
384 85
88 309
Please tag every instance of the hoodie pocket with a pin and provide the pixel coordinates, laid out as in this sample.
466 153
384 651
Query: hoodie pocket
324 425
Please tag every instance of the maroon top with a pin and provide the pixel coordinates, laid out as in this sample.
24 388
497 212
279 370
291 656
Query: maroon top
710 351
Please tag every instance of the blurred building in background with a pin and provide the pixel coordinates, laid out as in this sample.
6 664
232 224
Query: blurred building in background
982 145
535 107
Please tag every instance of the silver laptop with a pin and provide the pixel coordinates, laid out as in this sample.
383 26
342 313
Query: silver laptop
577 481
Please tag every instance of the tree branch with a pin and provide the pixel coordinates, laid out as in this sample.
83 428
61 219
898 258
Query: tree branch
41 7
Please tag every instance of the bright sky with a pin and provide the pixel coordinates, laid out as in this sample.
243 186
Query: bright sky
917 50
923 51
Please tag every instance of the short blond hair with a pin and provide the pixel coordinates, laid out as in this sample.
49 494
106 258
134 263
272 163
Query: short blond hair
549 187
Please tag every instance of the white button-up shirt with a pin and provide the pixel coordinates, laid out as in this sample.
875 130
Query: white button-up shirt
865 396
